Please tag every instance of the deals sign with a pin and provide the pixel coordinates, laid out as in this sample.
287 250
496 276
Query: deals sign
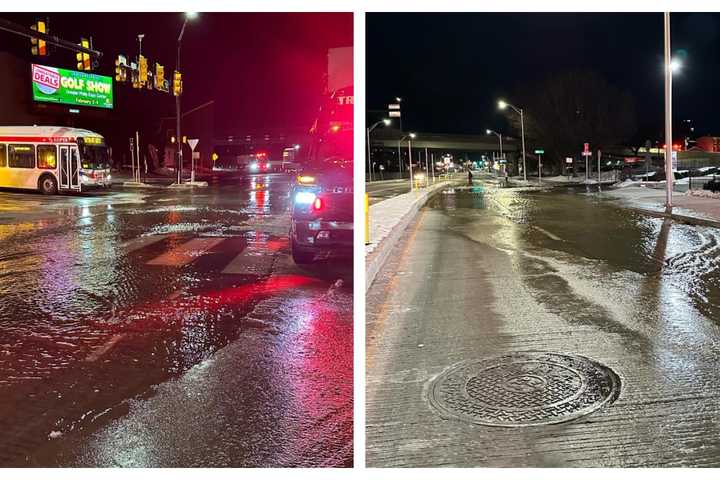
58 85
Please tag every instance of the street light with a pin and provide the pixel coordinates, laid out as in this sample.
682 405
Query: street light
675 65
669 67
188 16
386 122
411 135
493 132
503 105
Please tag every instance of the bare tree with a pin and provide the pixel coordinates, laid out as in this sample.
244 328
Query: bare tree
567 109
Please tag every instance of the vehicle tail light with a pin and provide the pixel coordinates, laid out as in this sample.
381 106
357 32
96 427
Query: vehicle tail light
318 204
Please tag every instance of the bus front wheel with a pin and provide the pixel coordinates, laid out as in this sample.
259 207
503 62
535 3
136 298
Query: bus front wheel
48 185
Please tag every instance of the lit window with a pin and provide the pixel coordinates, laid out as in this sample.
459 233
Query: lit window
47 157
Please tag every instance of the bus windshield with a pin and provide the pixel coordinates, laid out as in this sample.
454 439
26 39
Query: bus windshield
94 157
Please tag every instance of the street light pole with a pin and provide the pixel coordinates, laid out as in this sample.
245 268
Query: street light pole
502 104
400 156
188 16
411 162
383 121
668 118
488 131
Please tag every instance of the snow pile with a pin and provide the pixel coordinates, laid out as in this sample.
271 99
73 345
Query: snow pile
703 193
627 183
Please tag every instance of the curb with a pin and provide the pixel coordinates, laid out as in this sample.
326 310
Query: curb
376 259
680 218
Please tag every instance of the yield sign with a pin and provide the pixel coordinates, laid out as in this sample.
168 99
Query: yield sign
193 143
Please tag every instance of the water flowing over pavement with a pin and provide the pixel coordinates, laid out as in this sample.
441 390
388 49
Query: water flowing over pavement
490 275
164 328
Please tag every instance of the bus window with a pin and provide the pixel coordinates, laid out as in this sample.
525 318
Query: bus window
47 157
3 156
94 157
21 156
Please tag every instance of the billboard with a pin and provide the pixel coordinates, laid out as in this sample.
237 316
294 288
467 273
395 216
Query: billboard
57 85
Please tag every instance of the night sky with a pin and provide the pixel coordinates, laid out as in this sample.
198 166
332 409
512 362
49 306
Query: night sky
263 70
451 68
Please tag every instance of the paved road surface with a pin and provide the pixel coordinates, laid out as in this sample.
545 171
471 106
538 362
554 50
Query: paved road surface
485 273
379 191
159 328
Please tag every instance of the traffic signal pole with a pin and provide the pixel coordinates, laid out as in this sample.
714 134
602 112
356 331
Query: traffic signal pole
177 108
51 39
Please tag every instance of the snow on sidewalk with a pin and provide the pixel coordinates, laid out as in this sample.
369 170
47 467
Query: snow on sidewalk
692 205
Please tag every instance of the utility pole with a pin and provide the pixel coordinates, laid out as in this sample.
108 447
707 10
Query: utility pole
411 162
668 118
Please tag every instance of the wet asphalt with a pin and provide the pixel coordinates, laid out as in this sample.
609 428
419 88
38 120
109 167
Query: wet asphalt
162 328
382 190
486 272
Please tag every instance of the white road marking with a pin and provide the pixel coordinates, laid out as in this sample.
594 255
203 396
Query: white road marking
550 235
187 252
140 242
252 261
104 348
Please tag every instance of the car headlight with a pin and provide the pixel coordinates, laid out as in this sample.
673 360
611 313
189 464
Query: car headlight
304 198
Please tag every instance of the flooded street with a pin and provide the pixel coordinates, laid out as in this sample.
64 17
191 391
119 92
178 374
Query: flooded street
489 273
165 328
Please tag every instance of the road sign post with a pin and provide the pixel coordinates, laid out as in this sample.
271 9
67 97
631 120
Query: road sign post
586 153
568 166
193 143
539 153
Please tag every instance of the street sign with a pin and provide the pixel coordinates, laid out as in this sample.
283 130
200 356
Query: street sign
196 155
568 160
539 152
586 149
394 113
193 143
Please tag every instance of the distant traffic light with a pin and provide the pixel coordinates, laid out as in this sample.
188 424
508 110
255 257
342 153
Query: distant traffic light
39 47
159 77
121 69
143 70
83 59
177 83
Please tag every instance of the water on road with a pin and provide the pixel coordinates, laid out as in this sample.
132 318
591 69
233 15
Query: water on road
487 272
114 300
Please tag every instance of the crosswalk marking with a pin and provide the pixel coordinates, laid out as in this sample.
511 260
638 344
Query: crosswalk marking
141 242
187 252
252 261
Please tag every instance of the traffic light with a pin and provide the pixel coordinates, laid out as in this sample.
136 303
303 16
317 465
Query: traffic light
143 70
177 83
39 47
159 77
83 59
121 69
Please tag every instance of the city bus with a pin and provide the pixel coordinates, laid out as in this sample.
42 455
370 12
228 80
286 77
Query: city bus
53 159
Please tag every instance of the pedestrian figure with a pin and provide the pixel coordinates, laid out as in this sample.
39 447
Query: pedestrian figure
470 177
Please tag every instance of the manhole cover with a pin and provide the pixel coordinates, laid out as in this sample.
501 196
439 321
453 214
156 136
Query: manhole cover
524 389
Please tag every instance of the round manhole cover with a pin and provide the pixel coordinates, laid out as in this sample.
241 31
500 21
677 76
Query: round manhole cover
524 389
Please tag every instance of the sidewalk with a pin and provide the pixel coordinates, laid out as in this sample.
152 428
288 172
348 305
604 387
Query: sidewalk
388 219
686 208
121 176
